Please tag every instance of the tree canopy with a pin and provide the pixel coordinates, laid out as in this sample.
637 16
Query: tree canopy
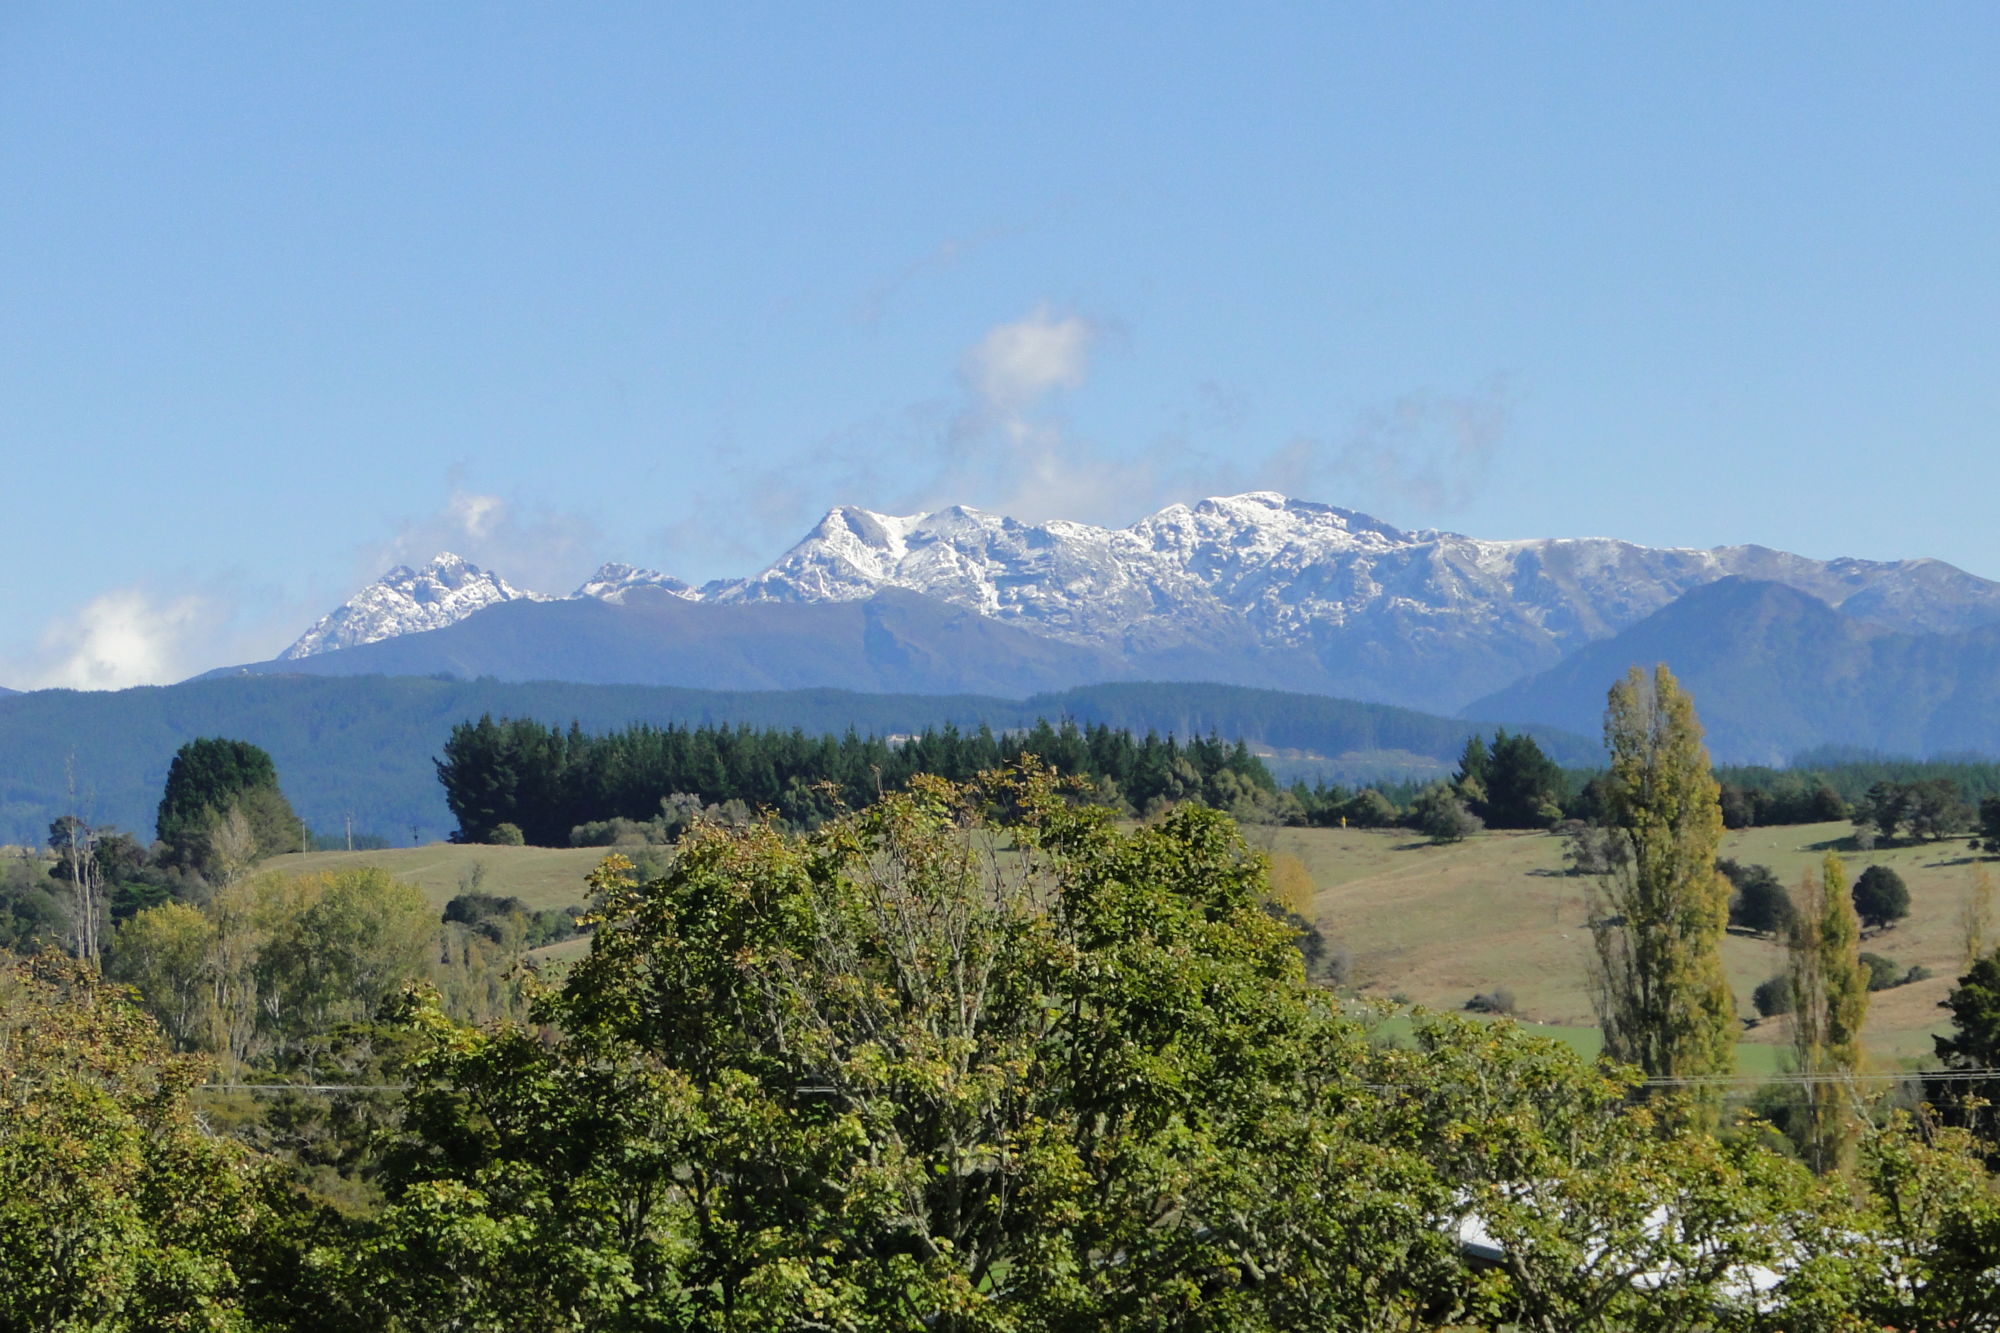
221 806
1881 898
117 1210
548 782
974 1058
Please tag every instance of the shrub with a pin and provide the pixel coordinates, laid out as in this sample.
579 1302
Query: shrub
507 835
1497 1001
552 924
1773 997
1440 816
617 832
1759 902
1369 808
1880 897
1589 849
1882 972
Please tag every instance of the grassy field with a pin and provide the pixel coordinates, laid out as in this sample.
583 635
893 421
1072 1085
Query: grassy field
1752 1058
1430 924
1438 924
538 876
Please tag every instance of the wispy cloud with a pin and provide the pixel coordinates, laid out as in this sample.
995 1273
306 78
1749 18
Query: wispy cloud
1011 444
536 547
945 255
1431 452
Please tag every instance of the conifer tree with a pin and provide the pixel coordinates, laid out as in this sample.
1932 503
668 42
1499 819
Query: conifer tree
1662 998
209 778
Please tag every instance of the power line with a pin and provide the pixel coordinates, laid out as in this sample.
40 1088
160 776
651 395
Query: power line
301 1087
1921 1076
1836 1076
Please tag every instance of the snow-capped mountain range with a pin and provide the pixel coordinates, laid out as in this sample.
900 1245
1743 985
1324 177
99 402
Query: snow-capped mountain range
1269 589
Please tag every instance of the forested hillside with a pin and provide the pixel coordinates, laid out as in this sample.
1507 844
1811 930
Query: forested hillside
363 746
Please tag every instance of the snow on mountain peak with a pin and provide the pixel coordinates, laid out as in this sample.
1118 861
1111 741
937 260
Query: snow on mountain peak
1385 612
405 601
613 582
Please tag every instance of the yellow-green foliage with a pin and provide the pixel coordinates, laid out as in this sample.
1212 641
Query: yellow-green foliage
118 1211
1665 1001
1829 1006
1292 884
275 958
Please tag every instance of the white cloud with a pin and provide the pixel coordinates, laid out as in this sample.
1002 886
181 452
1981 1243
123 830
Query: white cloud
1019 363
475 514
128 636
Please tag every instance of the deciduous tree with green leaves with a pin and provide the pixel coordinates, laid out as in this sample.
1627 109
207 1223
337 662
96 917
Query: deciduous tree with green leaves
1662 998
913 1071
1881 898
1829 1003
117 1210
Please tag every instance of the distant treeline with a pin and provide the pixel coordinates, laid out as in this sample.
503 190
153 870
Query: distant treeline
1852 772
1819 787
550 786
518 778
357 751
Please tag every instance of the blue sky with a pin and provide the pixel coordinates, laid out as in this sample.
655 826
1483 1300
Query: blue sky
290 293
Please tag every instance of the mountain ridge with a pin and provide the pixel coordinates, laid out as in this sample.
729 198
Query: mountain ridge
1265 589
405 601
1775 671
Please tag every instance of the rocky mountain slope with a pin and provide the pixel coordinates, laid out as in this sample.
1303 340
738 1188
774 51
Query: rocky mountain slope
1251 589
615 582
407 601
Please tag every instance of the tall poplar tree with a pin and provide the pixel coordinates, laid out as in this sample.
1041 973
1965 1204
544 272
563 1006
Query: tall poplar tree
1829 1003
1662 997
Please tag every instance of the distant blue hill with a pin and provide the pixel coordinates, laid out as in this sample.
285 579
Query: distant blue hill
364 745
1775 672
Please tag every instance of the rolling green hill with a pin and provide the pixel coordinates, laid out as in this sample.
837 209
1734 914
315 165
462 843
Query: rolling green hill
1437 924
1432 924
